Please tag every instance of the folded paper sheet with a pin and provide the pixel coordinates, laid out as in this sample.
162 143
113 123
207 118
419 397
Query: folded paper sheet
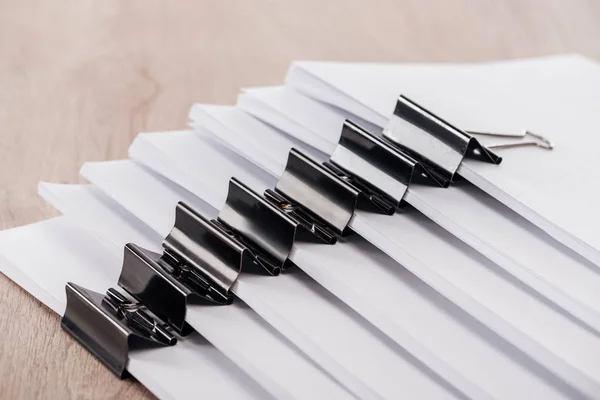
555 96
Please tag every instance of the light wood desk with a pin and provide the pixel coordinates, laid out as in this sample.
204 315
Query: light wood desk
79 79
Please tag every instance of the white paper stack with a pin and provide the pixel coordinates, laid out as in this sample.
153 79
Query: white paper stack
555 95
486 289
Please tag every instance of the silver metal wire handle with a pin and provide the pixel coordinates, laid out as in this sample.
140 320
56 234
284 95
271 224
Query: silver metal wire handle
537 140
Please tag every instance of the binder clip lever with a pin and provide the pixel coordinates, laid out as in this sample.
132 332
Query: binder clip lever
379 201
137 317
528 139
302 216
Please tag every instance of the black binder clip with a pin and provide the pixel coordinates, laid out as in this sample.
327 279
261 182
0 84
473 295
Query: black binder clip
112 325
371 161
432 141
269 225
326 192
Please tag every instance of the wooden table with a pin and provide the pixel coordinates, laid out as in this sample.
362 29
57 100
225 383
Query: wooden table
79 79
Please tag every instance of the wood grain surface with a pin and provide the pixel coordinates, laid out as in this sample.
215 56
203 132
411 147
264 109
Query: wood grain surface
79 79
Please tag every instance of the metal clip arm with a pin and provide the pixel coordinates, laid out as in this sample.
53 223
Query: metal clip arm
137 317
311 222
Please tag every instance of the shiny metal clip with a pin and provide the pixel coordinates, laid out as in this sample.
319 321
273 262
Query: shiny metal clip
327 193
269 225
432 141
528 139
379 165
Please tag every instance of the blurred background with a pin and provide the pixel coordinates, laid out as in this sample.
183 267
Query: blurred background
79 79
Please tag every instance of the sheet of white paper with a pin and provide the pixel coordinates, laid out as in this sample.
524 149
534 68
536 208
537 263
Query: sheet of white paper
201 115
86 204
64 253
267 103
571 361
204 117
331 335
502 235
351 285
556 96
203 153
522 249
106 176
261 149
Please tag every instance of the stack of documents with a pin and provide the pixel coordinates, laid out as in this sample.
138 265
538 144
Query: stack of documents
370 231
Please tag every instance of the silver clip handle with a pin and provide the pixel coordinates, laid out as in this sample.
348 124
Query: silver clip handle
538 140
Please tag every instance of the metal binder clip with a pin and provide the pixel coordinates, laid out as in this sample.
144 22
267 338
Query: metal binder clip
327 193
111 326
433 141
372 162
200 264
269 225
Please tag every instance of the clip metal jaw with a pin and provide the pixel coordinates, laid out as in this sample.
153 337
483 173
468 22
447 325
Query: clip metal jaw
326 192
112 325
269 225
379 165
432 141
